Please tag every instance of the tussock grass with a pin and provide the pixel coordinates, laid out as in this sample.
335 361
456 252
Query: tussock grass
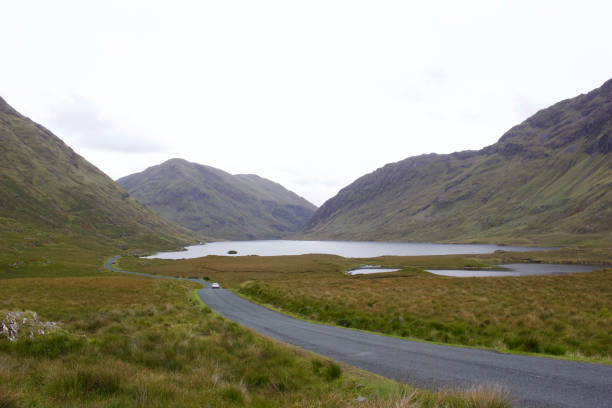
475 397
538 314
136 342
8 398
32 250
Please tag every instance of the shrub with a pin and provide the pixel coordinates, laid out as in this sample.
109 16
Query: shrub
333 372
316 366
524 342
554 349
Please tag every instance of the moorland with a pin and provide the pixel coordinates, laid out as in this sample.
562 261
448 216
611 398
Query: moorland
78 336
127 341
549 314
137 342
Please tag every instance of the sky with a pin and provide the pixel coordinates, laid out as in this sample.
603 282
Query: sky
310 94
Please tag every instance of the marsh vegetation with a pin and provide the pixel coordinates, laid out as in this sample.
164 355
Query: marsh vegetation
537 314
137 342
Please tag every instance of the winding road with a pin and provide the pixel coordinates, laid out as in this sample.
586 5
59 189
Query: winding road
531 381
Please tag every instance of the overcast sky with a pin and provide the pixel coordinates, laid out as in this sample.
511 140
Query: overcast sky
310 94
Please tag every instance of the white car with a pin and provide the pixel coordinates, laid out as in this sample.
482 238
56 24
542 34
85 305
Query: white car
215 285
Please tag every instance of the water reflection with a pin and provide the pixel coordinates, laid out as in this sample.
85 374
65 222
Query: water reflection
523 269
366 269
347 249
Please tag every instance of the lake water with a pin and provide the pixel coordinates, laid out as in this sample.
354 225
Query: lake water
520 270
523 269
347 249
364 270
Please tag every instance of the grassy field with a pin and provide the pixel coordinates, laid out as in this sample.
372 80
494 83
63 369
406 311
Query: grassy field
137 342
564 315
28 250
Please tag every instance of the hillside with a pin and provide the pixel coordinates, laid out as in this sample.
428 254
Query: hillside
50 195
214 203
547 180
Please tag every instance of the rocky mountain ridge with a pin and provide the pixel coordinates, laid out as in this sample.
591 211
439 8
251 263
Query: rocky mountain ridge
548 179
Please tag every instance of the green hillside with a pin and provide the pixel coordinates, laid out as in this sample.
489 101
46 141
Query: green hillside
214 203
547 180
53 202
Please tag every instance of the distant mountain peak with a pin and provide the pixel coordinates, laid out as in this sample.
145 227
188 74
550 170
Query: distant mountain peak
176 160
217 204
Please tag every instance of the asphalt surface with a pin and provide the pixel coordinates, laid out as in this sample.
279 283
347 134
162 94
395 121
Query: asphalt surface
531 381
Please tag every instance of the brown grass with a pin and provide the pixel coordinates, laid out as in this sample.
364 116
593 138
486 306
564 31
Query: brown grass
554 314
137 342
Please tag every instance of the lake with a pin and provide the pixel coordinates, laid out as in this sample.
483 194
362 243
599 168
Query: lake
520 270
347 249
523 269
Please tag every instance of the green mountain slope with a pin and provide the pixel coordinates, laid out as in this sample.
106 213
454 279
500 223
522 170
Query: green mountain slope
51 195
547 180
218 204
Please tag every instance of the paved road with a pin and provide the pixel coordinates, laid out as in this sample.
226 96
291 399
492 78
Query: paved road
532 381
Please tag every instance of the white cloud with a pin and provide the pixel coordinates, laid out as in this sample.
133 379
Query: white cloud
80 121
312 95
524 107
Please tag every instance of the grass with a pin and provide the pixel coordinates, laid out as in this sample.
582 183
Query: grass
130 342
534 314
27 250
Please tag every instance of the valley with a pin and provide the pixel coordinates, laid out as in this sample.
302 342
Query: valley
418 362
546 314
129 341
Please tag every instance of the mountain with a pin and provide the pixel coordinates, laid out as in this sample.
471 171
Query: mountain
547 180
49 194
214 203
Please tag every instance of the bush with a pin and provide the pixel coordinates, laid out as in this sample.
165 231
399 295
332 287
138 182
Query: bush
317 365
333 372
554 349
523 342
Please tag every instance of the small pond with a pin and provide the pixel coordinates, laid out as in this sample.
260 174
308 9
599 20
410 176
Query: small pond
523 269
366 269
